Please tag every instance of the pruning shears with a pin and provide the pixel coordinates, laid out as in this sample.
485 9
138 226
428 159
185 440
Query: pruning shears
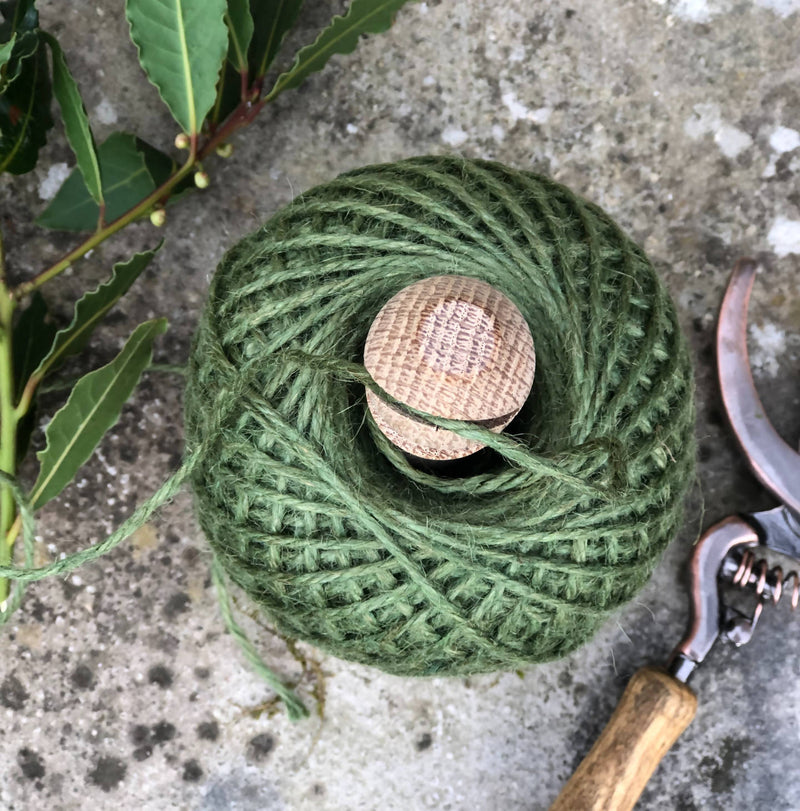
658 704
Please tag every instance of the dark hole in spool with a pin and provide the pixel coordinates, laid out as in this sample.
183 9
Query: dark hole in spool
482 461
486 460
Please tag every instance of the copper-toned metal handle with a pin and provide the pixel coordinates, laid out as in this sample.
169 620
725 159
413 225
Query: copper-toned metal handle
704 624
775 464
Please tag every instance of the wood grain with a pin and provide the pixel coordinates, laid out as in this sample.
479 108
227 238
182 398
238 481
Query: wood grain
653 712
455 347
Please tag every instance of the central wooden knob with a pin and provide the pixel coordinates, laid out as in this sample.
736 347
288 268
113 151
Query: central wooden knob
454 347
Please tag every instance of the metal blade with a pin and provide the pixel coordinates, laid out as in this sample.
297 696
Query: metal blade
780 531
775 464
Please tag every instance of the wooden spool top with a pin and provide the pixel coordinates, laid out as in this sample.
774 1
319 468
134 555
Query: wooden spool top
454 347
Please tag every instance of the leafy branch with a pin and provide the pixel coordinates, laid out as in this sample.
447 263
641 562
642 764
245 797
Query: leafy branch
209 60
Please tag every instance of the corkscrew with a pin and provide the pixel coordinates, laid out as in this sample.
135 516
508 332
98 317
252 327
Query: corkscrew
658 704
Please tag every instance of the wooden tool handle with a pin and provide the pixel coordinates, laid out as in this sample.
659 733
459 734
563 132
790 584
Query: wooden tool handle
654 710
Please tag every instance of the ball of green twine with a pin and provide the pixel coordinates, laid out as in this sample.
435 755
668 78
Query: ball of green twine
342 541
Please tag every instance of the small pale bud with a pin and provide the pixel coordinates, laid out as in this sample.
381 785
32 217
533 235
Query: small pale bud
201 180
225 150
158 217
182 141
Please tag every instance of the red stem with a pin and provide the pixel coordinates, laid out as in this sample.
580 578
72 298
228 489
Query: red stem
243 115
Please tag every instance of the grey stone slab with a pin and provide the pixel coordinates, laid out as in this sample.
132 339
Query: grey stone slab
118 685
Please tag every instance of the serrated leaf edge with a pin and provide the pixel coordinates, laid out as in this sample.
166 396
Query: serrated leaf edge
283 81
6 49
193 122
57 352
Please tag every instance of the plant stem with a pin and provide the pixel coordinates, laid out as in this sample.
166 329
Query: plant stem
102 234
2 260
26 399
8 428
243 115
240 117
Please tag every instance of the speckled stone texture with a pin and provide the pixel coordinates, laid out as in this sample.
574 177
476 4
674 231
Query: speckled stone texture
118 686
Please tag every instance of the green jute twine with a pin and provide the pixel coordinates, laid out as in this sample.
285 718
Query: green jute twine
168 490
332 531
325 524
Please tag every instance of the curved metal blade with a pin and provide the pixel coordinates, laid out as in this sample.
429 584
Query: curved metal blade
775 464
780 530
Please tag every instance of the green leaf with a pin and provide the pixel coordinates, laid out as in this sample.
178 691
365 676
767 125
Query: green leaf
25 108
92 408
156 161
20 38
25 46
273 19
229 94
130 169
161 166
91 308
340 37
76 122
181 44
126 181
240 26
5 50
33 337
18 15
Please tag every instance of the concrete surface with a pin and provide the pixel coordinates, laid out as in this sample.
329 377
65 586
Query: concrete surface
119 688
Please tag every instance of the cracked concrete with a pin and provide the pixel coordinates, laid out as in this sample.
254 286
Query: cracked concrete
118 685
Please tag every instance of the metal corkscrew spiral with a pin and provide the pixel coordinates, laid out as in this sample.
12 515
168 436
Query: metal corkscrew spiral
749 572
